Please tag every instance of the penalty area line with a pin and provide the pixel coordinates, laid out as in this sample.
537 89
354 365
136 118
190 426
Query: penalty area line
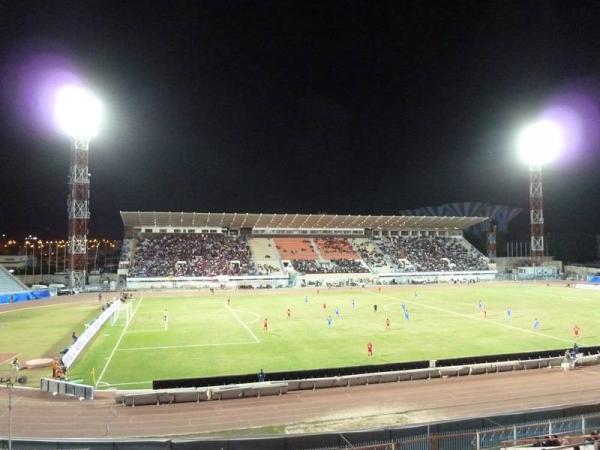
119 341
166 347
242 322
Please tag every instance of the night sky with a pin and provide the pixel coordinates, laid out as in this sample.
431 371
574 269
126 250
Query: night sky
340 107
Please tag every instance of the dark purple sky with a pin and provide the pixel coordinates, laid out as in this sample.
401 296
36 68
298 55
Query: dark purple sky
350 107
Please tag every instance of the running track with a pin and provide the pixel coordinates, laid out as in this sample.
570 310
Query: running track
37 414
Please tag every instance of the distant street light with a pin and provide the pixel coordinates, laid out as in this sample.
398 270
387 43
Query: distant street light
78 113
538 144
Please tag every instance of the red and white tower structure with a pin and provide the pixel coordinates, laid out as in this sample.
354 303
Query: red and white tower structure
78 209
536 214
539 143
78 113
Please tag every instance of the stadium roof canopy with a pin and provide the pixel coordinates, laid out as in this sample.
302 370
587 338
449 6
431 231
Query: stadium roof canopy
500 214
234 221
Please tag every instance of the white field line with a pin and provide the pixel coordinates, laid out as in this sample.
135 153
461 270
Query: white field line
491 322
129 383
33 307
242 322
165 347
119 341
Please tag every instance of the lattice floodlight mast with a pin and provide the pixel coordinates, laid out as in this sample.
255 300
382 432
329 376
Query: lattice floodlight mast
78 114
491 242
78 209
536 213
539 143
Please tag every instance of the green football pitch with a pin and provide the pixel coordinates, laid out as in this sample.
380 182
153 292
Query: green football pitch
206 336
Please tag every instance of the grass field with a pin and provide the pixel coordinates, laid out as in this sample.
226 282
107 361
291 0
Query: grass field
41 329
207 337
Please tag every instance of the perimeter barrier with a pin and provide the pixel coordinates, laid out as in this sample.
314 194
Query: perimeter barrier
89 333
56 387
179 395
417 370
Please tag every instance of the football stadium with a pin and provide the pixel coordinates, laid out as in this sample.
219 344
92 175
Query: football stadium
260 310
333 310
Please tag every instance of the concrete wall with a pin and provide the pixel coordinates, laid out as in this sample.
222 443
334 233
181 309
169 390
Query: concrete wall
580 272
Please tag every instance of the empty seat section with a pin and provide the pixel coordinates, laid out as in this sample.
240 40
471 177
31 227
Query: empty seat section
266 256
295 248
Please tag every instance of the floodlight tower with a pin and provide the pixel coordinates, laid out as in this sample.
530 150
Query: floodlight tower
78 113
539 143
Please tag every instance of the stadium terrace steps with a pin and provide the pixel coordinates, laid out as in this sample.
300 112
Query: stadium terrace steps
10 284
471 248
315 247
384 245
128 249
372 255
266 256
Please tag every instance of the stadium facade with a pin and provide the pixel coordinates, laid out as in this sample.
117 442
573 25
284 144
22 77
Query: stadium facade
203 249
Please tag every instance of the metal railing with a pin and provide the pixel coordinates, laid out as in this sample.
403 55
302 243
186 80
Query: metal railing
492 438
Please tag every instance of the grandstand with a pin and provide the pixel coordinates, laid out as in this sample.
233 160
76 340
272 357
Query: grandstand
294 249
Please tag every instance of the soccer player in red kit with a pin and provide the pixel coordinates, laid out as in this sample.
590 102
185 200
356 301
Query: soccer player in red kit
324 306
370 349
266 325
387 324
576 331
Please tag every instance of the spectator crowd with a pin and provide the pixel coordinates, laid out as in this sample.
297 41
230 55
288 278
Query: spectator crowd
198 255
194 255
373 258
432 254
334 266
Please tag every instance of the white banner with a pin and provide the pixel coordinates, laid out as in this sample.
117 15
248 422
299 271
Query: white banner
88 334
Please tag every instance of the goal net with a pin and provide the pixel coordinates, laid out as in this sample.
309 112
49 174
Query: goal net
122 314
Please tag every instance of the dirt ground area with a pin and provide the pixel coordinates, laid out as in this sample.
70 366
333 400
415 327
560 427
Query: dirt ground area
36 414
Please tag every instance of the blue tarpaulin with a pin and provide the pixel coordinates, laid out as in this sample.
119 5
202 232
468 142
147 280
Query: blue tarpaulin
24 296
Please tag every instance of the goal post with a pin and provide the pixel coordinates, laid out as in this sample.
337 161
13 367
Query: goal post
125 311
128 310
115 316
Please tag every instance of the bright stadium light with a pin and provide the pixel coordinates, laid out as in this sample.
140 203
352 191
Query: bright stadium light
541 142
538 144
77 112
